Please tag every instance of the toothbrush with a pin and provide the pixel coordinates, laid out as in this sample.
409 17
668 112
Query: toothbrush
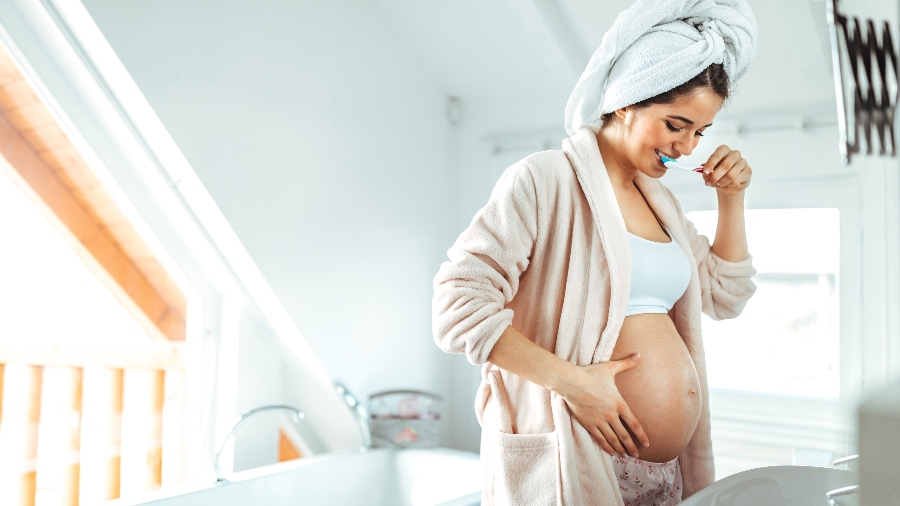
670 163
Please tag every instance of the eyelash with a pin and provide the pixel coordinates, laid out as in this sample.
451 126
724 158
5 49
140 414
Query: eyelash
672 128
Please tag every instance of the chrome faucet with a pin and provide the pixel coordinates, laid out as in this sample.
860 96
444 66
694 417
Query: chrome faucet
362 416
296 415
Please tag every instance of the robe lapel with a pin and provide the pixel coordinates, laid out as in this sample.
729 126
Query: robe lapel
584 156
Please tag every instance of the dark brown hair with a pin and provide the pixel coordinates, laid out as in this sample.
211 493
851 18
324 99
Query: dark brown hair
712 77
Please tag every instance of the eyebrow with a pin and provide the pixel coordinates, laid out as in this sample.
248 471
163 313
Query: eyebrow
689 122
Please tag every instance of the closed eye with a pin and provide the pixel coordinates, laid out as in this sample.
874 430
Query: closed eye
676 129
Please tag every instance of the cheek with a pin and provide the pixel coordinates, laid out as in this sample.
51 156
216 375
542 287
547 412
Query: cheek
645 136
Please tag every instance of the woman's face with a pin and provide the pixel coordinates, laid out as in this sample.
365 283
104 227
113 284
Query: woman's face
671 130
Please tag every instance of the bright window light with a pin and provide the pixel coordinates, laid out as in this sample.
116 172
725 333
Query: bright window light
786 341
48 295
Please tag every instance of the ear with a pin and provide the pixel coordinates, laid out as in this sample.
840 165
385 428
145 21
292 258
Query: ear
621 113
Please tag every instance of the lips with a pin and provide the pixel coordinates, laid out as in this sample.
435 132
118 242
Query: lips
661 154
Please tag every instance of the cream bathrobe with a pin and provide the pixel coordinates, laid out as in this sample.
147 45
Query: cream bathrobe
549 254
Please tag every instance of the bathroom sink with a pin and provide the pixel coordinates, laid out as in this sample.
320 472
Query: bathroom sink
778 486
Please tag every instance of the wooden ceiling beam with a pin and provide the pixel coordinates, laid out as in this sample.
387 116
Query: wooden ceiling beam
89 237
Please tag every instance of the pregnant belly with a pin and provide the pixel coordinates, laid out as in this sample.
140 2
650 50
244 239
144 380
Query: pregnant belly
663 390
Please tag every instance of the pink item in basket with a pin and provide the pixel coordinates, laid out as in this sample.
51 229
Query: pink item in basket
407 435
408 408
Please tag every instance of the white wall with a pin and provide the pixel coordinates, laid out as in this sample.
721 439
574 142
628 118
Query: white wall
327 149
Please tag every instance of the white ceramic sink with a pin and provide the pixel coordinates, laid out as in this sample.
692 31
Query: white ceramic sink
777 486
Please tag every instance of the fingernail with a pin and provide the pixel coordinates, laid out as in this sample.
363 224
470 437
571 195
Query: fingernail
646 444
635 454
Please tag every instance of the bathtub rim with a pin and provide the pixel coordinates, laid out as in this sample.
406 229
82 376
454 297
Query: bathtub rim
283 467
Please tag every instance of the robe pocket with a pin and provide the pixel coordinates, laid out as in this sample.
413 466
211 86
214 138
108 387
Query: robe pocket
526 469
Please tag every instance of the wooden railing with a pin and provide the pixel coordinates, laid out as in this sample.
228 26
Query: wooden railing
79 425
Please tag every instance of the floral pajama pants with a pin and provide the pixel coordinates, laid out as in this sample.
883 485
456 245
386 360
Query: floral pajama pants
648 483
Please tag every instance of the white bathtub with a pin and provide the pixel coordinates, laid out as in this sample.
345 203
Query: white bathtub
444 477
777 486
378 477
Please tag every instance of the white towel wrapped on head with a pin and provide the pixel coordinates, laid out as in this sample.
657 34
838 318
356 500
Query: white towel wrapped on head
658 45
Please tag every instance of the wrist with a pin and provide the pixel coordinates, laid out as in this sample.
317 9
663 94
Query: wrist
736 199
563 377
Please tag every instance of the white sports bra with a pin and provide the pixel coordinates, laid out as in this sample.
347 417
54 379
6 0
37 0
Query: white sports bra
660 273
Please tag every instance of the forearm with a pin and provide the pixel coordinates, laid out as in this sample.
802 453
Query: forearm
521 356
731 232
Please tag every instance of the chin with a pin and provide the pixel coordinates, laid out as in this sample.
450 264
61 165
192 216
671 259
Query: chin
654 172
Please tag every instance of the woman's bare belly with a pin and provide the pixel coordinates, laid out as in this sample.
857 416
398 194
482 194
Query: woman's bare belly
663 390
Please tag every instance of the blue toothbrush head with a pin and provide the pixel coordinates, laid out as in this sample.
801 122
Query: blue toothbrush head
670 163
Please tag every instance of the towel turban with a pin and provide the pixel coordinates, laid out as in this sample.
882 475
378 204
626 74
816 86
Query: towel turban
658 45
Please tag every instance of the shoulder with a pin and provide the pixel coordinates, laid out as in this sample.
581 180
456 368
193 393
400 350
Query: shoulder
538 180
549 169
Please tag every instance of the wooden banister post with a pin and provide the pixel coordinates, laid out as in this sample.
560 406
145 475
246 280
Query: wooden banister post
2 374
114 442
33 414
174 435
58 452
101 424
72 471
154 451
18 434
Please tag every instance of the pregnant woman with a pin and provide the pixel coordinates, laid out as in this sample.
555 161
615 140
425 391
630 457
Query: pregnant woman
580 284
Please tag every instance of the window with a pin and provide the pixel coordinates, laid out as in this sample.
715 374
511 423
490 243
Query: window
784 376
49 296
92 325
59 326
786 341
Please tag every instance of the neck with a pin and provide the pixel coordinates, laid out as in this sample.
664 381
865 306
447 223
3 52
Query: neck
621 173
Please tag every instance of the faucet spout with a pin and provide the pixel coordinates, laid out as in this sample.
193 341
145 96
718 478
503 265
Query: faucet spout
296 414
362 415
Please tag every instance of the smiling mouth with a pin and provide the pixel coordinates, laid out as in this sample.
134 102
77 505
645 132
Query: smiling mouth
660 154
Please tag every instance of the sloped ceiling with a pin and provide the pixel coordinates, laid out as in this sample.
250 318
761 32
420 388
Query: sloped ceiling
533 48
477 48
517 54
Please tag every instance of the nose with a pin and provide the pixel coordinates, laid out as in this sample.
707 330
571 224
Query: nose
685 144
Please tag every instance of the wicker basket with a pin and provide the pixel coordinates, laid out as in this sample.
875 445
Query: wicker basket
405 419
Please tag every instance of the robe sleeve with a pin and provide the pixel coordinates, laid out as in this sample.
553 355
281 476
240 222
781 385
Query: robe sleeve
472 289
725 286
